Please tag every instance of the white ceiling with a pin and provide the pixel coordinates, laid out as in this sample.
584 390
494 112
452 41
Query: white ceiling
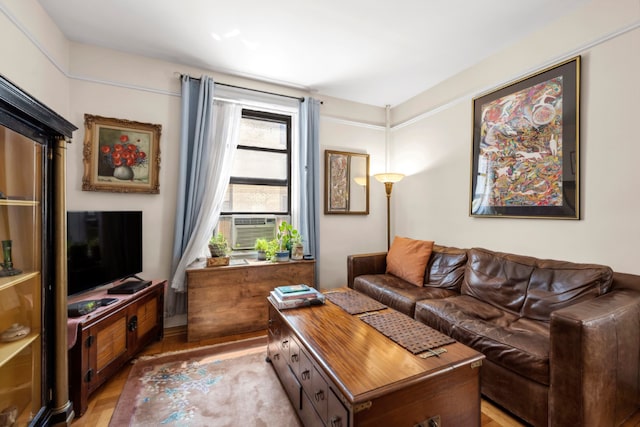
371 51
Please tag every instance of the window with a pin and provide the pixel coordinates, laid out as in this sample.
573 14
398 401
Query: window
260 185
260 177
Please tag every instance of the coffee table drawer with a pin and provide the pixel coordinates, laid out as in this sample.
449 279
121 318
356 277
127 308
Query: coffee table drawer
285 344
276 356
337 414
294 357
292 387
319 393
305 370
308 415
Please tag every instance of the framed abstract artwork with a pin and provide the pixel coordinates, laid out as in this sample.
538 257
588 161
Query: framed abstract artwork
121 156
346 183
525 154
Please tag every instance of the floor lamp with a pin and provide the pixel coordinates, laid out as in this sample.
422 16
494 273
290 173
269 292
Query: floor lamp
388 179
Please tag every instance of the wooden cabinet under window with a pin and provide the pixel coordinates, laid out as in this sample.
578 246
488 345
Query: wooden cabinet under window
231 300
33 390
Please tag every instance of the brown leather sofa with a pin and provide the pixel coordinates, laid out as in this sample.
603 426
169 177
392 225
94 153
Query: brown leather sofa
561 339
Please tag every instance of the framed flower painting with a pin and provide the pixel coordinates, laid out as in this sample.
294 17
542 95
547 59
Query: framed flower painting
121 156
525 154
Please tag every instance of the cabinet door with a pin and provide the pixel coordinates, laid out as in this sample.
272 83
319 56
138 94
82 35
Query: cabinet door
107 347
147 314
21 277
143 322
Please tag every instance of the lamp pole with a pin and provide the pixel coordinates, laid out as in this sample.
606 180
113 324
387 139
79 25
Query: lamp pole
388 178
388 186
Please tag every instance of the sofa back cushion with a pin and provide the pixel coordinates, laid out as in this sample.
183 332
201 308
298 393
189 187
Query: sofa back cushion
446 268
531 287
557 284
497 278
408 258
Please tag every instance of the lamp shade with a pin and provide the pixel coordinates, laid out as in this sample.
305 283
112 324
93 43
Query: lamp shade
389 177
360 180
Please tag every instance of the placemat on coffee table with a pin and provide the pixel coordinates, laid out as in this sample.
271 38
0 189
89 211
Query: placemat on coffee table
353 302
407 332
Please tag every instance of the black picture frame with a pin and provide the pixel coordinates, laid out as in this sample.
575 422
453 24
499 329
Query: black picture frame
525 153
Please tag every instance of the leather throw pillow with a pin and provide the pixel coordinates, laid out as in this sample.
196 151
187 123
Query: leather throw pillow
407 259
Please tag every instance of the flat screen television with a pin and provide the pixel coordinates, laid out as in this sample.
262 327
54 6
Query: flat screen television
102 247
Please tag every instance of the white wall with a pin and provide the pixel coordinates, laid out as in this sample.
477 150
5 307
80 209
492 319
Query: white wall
343 235
76 79
90 66
22 60
433 135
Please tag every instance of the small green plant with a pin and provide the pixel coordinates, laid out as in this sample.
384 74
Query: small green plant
273 246
261 245
287 235
218 245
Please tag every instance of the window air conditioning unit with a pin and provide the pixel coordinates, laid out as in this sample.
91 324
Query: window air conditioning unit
245 230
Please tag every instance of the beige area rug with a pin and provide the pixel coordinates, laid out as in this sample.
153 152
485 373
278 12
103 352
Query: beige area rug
201 388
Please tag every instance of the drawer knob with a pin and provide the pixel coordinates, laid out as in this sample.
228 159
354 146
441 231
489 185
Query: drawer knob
294 357
305 375
319 395
336 422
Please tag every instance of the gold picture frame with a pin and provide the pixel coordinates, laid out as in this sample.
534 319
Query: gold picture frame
121 156
346 183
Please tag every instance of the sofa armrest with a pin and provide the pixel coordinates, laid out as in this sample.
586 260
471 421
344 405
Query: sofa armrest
594 360
357 265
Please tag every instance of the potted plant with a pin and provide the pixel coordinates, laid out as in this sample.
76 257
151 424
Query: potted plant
272 248
282 252
261 246
291 239
219 248
297 248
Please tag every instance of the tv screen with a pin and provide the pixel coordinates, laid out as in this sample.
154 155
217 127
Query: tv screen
102 247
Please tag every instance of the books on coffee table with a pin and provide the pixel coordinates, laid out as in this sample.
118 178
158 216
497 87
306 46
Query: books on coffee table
293 288
312 298
295 292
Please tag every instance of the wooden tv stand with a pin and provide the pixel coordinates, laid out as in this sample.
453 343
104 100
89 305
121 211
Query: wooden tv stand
105 339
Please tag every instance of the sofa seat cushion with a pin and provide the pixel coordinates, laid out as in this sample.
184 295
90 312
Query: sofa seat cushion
397 293
515 343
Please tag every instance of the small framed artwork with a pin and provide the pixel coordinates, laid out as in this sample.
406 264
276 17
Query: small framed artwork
525 153
121 156
346 183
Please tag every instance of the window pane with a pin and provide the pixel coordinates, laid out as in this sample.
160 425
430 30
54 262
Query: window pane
264 134
259 164
255 198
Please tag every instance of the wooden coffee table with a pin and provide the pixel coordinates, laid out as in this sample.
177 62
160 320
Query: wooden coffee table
338 371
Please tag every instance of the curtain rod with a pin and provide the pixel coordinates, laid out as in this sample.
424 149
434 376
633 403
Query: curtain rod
299 98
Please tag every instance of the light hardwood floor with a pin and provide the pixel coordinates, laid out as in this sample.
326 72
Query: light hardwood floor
104 400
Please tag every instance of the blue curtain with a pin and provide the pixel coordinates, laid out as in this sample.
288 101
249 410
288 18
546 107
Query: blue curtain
310 176
208 141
